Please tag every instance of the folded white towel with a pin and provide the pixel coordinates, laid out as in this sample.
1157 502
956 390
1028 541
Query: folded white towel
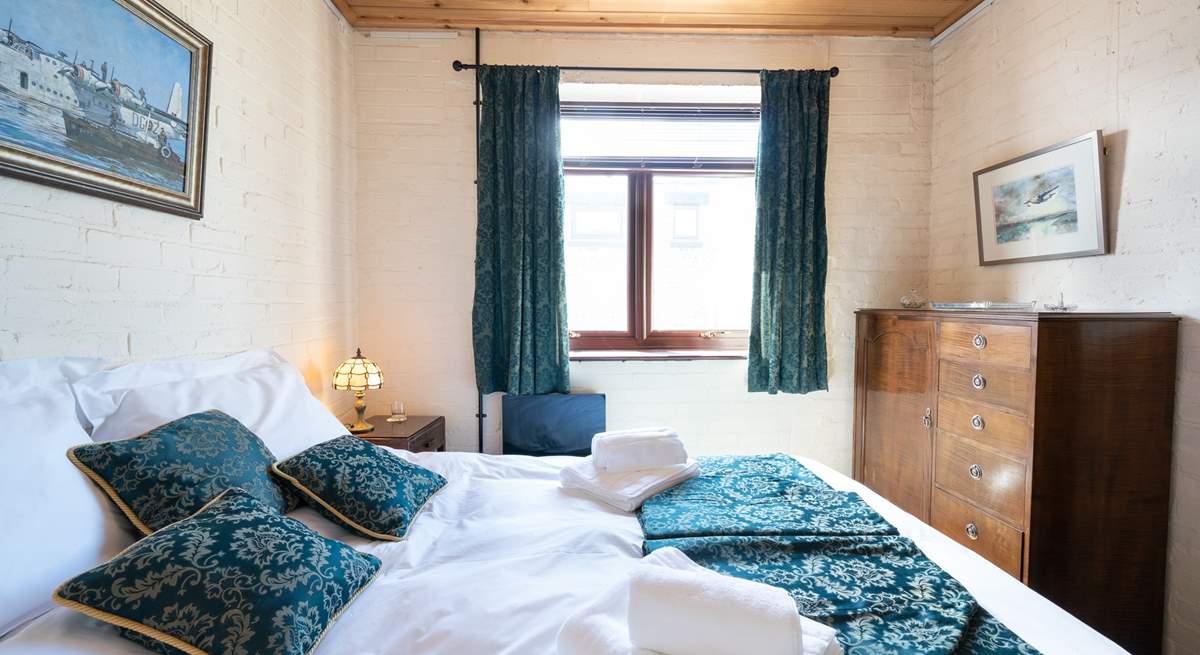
603 626
637 449
678 612
627 490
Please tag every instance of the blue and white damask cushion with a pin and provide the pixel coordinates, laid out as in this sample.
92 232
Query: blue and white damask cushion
171 471
361 486
235 577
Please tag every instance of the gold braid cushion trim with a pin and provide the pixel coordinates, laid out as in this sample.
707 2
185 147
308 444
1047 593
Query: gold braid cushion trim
112 493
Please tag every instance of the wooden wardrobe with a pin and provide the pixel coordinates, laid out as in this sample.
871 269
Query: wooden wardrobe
1040 441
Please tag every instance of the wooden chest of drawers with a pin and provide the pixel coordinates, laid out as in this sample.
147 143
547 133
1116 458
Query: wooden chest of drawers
1040 441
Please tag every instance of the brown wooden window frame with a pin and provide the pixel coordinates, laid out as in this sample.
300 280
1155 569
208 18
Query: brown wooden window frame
639 336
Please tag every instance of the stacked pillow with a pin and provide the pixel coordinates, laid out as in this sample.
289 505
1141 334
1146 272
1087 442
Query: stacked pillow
235 577
258 388
55 523
198 482
172 471
361 486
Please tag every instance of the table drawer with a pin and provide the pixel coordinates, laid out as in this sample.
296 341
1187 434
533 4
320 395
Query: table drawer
991 384
1007 345
972 527
986 479
422 442
988 424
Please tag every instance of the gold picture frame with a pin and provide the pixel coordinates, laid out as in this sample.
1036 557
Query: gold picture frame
126 123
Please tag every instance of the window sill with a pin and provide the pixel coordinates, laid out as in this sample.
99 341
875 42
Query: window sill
653 355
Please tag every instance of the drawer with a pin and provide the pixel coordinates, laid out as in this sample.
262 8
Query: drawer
986 479
1007 345
973 528
988 424
991 384
422 442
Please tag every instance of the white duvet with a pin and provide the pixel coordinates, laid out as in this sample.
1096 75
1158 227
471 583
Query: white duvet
502 556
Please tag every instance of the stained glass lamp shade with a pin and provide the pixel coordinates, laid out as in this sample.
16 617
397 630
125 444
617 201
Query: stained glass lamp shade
358 374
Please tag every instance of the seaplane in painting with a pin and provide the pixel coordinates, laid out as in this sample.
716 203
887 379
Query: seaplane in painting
100 114
1043 196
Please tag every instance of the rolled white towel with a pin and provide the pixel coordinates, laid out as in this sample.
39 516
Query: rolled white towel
602 626
638 449
626 490
598 628
684 612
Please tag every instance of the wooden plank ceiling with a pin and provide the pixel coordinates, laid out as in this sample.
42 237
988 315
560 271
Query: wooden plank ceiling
915 18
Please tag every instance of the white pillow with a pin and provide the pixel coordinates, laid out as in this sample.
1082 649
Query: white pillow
19 374
271 400
55 523
144 374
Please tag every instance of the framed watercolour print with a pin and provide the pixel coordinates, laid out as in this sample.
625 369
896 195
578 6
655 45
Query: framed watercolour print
107 97
1048 204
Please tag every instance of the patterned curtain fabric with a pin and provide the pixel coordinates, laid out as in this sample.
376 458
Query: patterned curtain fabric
787 329
520 315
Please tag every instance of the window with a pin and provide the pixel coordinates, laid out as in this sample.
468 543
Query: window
659 225
24 80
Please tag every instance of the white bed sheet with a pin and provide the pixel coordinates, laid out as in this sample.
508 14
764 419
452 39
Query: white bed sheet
503 555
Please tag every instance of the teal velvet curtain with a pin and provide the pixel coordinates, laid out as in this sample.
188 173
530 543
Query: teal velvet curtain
520 314
787 328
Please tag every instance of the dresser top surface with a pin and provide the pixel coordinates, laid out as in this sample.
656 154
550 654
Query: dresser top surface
1022 316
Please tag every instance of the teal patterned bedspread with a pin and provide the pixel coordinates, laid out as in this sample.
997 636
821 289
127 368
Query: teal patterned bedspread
757 495
876 588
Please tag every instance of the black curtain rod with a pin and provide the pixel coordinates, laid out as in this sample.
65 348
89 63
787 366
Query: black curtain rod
459 66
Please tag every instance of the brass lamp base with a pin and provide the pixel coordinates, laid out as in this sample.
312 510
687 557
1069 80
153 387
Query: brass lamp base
360 406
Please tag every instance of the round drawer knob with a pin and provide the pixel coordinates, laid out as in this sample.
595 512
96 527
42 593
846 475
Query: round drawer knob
977 422
976 471
978 381
972 532
979 341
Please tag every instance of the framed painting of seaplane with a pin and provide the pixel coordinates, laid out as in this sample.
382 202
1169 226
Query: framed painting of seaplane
106 97
1048 204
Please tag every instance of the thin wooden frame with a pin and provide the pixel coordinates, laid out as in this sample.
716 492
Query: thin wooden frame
1097 143
639 334
37 167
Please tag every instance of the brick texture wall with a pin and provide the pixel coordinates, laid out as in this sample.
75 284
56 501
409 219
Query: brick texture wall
269 265
1028 73
417 225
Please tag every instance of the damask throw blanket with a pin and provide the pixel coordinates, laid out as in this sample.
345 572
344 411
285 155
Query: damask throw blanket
770 519
758 495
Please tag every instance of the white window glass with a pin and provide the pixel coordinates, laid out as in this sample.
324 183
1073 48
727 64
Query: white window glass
703 252
596 227
592 137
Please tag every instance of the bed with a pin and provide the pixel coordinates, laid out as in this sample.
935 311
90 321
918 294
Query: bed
503 555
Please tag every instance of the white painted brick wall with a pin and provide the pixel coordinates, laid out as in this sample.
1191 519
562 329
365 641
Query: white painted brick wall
417 225
270 265
326 146
1028 73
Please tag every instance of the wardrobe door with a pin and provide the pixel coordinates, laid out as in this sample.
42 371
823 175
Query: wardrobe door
894 390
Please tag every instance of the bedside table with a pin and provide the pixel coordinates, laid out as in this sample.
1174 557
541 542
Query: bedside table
417 434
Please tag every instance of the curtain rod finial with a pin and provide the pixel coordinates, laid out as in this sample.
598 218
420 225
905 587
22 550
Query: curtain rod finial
457 65
833 72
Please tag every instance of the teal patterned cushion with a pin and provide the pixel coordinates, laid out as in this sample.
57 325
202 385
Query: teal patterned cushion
361 486
171 471
235 577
